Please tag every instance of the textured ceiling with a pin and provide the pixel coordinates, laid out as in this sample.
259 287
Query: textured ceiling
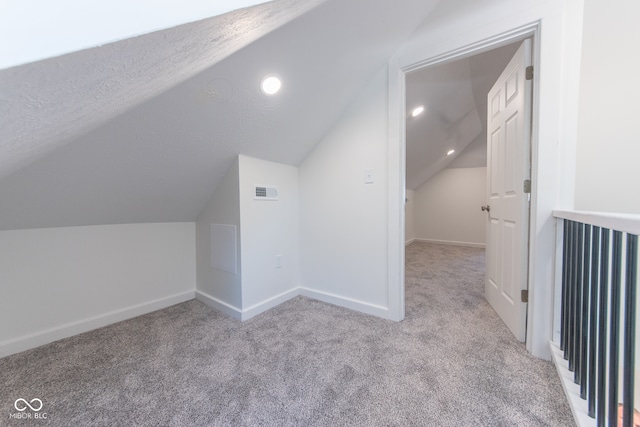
46 104
161 160
454 95
52 28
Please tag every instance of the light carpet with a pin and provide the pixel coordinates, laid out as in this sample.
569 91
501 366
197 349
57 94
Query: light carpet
451 362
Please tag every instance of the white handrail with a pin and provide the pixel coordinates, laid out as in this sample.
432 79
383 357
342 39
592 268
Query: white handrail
628 223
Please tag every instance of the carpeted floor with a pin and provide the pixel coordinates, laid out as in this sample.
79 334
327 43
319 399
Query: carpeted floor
451 362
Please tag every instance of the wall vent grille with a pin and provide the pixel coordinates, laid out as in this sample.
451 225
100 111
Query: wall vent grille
265 192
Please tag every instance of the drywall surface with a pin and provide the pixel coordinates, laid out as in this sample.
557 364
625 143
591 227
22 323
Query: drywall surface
47 29
223 208
409 214
84 114
57 282
343 220
451 120
447 207
270 232
47 104
607 172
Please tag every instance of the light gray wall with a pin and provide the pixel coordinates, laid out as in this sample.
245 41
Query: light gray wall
343 221
57 282
223 208
447 207
269 229
607 172
264 230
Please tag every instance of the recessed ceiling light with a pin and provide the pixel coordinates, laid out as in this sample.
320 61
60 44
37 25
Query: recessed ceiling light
450 152
417 111
270 85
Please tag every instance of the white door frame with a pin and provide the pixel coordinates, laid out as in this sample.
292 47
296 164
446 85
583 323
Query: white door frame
556 29
529 31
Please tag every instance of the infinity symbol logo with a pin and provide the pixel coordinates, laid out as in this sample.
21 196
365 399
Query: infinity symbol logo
24 404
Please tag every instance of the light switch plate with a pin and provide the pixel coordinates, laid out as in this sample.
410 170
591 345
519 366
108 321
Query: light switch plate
368 176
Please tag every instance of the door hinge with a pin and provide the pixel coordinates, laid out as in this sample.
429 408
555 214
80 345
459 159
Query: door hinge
527 186
529 72
524 295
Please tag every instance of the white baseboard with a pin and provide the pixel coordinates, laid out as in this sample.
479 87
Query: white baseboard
263 306
37 339
579 406
450 242
408 242
349 303
249 312
222 306
70 329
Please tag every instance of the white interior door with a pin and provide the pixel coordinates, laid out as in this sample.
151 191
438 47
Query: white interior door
508 166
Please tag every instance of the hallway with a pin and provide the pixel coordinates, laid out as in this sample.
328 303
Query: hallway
481 366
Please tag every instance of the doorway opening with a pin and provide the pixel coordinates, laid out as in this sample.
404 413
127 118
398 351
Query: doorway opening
448 169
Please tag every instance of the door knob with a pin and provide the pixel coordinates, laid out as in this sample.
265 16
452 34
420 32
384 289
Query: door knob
486 208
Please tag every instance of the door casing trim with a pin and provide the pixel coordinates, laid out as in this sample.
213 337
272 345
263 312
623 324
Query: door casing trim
397 157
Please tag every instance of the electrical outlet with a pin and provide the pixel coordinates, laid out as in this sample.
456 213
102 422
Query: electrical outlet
278 261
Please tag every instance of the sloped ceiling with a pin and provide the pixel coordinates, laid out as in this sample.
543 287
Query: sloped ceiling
162 158
47 103
454 95
52 28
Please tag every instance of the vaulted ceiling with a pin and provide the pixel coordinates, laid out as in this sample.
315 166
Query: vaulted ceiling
64 26
144 129
48 103
454 95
